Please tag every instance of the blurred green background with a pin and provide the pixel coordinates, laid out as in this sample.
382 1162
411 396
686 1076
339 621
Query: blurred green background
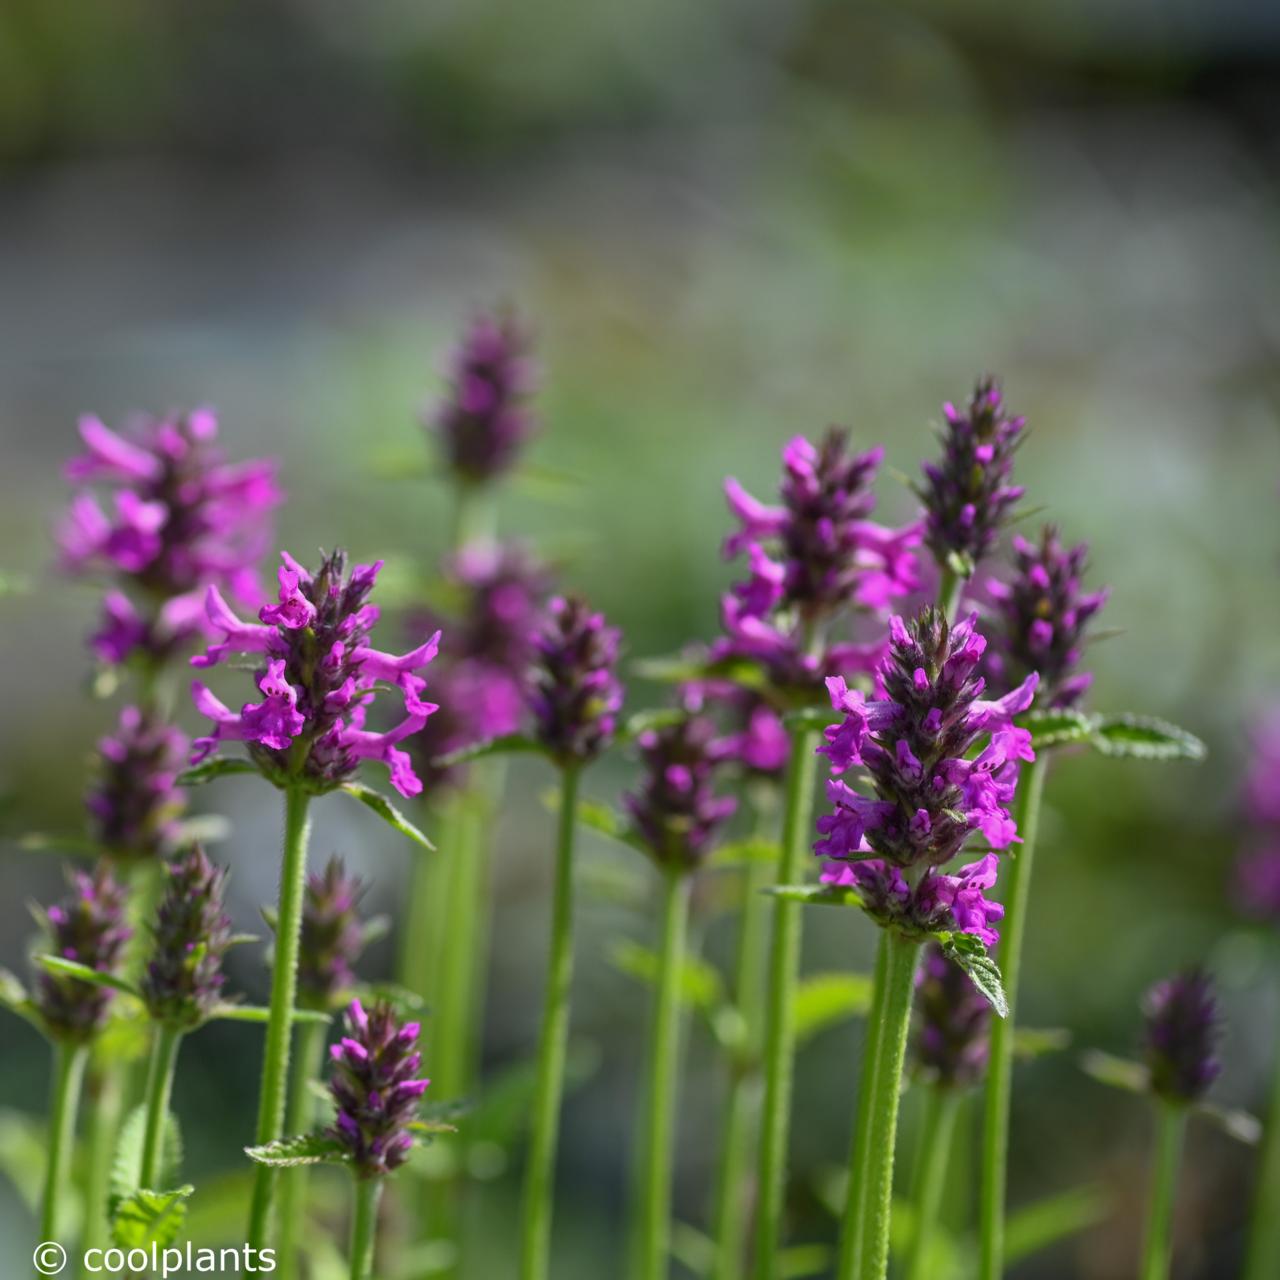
727 222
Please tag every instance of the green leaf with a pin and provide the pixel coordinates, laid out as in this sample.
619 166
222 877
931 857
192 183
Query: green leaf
1054 728
405 1001
972 956
504 1106
1035 1042
228 1012
821 895
147 1218
1235 1123
700 984
126 1163
684 668
23 1146
303 1148
824 999
82 973
53 842
383 807
1119 1073
623 884
811 718
655 718
1037 1226
429 1128
204 828
1145 738
738 853
221 767
14 997
505 745
799 1261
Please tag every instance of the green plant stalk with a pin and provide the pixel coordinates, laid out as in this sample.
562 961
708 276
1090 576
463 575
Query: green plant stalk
950 588
659 1120
284 987
68 1075
941 1106
308 1062
1171 1127
364 1227
995 1121
164 1058
784 968
1263 1261
539 1182
105 1093
882 1076
741 1112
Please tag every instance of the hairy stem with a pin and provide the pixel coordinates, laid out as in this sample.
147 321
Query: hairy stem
941 1105
307 1064
1263 1261
1171 1125
68 1074
364 1227
164 1058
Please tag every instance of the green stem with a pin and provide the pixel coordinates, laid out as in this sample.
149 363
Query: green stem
105 1098
164 1057
851 1235
941 1105
307 1064
68 1073
284 986
660 1116
995 1122
535 1246
364 1227
1263 1262
885 1051
784 967
950 589
1171 1126
741 1111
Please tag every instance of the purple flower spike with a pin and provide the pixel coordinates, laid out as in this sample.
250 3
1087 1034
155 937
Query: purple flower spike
319 677
89 927
954 1023
931 789
813 557
1043 615
184 978
966 494
485 420
756 737
134 805
1181 1031
183 519
332 938
375 1090
676 810
573 690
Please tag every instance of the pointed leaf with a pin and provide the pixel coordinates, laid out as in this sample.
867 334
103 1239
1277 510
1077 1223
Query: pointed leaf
684 668
1235 1123
82 973
228 1012
405 1001
824 999
1035 1042
505 745
126 1162
219 767
14 997
1037 1226
204 828
383 807
23 1146
972 956
820 895
1054 728
304 1148
700 985
148 1218
1145 738
743 852
811 718
1119 1073
55 842
655 718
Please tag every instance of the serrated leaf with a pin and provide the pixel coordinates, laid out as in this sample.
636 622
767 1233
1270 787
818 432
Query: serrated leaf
228 1012
383 807
126 1163
1237 1124
82 973
220 767
824 999
700 984
1037 1226
1055 728
147 1218
505 745
1145 738
820 895
1035 1042
302 1148
1119 1073
972 956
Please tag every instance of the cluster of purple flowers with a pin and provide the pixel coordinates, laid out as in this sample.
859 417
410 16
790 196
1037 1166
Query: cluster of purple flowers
375 1090
332 936
1258 870
966 494
830 556
1042 614
930 796
184 979
573 690
89 927
754 734
183 519
486 420
319 679
677 810
952 1039
135 803
1180 1034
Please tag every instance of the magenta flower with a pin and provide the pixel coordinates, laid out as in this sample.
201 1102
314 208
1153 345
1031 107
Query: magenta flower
182 519
1258 867
827 557
952 1039
319 677
485 420
754 733
374 1089
1042 614
966 494
1182 1028
931 787
135 805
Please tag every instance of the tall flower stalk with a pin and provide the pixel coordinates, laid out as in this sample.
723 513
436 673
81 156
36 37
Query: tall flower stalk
575 697
931 793
307 736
